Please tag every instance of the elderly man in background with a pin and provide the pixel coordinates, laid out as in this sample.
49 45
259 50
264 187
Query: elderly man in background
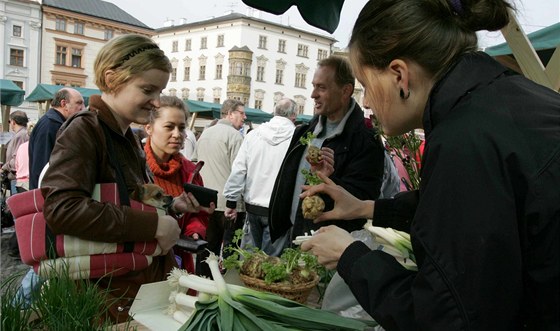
217 146
66 102
254 172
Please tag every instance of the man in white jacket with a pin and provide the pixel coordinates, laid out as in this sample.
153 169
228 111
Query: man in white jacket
253 174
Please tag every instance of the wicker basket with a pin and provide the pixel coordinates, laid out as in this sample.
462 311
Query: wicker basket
298 293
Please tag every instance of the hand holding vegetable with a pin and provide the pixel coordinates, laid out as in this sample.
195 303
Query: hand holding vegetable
346 206
328 244
326 163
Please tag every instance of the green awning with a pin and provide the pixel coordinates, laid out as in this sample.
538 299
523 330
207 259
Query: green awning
543 39
323 14
46 92
213 110
10 93
303 118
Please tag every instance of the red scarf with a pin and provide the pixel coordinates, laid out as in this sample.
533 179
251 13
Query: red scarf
167 174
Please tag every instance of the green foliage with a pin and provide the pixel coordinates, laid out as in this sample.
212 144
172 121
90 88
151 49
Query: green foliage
62 304
15 315
293 263
306 140
311 178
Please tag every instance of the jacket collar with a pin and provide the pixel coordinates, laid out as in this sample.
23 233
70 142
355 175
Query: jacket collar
104 113
471 71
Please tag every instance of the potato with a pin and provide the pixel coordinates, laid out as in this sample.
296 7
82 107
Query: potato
312 207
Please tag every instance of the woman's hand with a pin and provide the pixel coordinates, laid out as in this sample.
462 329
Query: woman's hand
326 165
167 232
346 206
187 203
328 244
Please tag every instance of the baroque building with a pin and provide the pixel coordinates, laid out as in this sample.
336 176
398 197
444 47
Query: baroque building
245 58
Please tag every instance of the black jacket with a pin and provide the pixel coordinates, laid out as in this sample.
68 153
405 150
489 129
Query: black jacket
358 167
486 230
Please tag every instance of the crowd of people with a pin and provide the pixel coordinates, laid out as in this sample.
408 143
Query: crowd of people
484 223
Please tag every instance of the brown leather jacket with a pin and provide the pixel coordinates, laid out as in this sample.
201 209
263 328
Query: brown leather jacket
78 161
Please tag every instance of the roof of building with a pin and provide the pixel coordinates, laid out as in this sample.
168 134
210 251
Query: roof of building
232 17
96 8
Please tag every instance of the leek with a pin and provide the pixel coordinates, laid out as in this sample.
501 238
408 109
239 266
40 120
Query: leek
221 306
394 242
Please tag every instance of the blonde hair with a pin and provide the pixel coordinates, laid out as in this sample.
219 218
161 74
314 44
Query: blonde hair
127 55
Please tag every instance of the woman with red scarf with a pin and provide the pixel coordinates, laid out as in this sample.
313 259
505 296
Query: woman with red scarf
166 135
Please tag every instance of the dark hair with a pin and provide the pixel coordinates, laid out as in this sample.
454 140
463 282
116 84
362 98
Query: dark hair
62 94
230 105
342 69
20 117
169 101
432 33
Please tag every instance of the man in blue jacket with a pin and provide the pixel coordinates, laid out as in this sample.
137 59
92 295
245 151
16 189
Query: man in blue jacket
66 102
338 125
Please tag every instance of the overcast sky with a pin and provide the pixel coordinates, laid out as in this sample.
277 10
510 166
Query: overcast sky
532 14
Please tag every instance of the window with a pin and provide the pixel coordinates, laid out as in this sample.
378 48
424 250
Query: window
300 109
61 55
279 76
188 45
108 34
281 46
173 74
76 58
16 31
175 46
203 42
302 50
220 42
187 73
61 24
79 28
202 73
300 79
322 54
260 73
16 57
262 42
18 83
258 104
217 100
219 71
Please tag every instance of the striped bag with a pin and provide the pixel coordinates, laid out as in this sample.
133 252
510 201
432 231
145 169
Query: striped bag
47 252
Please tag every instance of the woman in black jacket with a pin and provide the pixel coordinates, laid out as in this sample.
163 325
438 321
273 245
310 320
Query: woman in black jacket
485 222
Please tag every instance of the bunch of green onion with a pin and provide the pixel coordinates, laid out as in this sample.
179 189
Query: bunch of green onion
221 306
394 242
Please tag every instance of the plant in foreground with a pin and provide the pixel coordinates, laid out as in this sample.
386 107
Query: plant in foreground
394 242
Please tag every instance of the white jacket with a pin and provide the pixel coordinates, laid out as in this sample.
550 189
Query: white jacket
258 161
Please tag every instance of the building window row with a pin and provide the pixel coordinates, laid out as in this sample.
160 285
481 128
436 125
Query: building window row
69 55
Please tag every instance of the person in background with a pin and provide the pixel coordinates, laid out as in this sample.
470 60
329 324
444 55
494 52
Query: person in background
217 146
166 135
18 125
254 172
131 71
66 102
485 224
22 164
352 154
189 145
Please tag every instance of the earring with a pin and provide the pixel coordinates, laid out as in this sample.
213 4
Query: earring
404 97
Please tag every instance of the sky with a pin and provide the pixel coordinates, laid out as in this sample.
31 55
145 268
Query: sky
532 15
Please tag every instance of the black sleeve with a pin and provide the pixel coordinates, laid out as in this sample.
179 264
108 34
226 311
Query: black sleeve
397 212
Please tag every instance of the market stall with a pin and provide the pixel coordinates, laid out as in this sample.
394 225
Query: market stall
44 93
11 95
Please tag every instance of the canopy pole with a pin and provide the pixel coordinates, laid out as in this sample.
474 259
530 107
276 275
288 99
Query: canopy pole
191 126
523 50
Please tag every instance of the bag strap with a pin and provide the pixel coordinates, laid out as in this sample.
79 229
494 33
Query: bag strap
121 185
